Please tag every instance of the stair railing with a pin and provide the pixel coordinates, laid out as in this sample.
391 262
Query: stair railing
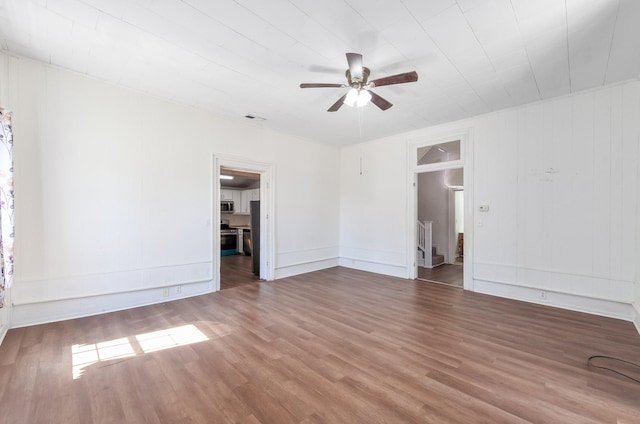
424 240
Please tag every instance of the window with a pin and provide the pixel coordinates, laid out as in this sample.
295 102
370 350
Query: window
437 153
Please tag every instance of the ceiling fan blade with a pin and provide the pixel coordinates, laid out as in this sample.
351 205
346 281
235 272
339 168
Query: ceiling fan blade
395 79
337 104
379 101
320 85
355 66
325 69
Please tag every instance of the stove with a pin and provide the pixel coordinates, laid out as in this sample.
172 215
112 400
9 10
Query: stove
228 240
226 231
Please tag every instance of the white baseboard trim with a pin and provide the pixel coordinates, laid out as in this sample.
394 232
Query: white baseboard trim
636 316
42 312
304 267
608 308
583 285
391 270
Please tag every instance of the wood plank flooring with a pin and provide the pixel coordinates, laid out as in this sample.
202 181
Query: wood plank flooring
236 271
446 274
333 346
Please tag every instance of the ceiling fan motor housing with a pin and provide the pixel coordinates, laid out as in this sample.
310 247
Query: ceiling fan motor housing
354 82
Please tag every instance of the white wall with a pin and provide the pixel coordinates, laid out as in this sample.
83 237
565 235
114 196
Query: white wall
373 208
114 195
433 205
561 180
307 219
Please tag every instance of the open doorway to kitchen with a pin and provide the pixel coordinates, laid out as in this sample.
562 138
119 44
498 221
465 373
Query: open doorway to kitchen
243 231
440 211
239 228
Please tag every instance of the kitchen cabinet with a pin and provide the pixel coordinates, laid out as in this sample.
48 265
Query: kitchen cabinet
226 194
246 197
237 198
244 204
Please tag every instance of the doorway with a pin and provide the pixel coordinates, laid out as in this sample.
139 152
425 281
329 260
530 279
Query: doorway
242 216
239 228
440 220
437 249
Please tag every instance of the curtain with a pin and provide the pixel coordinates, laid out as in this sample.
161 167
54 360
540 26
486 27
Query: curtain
6 203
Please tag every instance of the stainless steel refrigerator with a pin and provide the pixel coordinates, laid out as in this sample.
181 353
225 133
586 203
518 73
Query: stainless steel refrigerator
254 210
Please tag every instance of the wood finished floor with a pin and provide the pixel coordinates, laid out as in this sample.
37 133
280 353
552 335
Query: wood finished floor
334 346
446 274
235 271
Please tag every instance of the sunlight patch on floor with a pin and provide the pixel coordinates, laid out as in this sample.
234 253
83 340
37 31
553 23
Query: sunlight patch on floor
85 355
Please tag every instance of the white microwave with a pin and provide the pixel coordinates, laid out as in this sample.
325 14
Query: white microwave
226 206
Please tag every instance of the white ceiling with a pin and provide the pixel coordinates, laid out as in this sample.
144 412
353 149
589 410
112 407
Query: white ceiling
239 57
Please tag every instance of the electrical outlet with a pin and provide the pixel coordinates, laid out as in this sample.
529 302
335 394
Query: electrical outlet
543 295
178 289
165 292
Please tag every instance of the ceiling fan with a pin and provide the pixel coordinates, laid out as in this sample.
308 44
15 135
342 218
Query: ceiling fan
360 93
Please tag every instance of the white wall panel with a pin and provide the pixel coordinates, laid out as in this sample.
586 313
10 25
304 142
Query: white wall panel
305 203
573 220
601 240
532 233
507 241
630 170
615 189
373 205
501 173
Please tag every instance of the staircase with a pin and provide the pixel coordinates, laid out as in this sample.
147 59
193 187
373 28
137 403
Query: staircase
436 259
427 259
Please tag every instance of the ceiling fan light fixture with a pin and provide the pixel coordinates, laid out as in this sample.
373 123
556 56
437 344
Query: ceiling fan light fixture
357 98
363 98
352 98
